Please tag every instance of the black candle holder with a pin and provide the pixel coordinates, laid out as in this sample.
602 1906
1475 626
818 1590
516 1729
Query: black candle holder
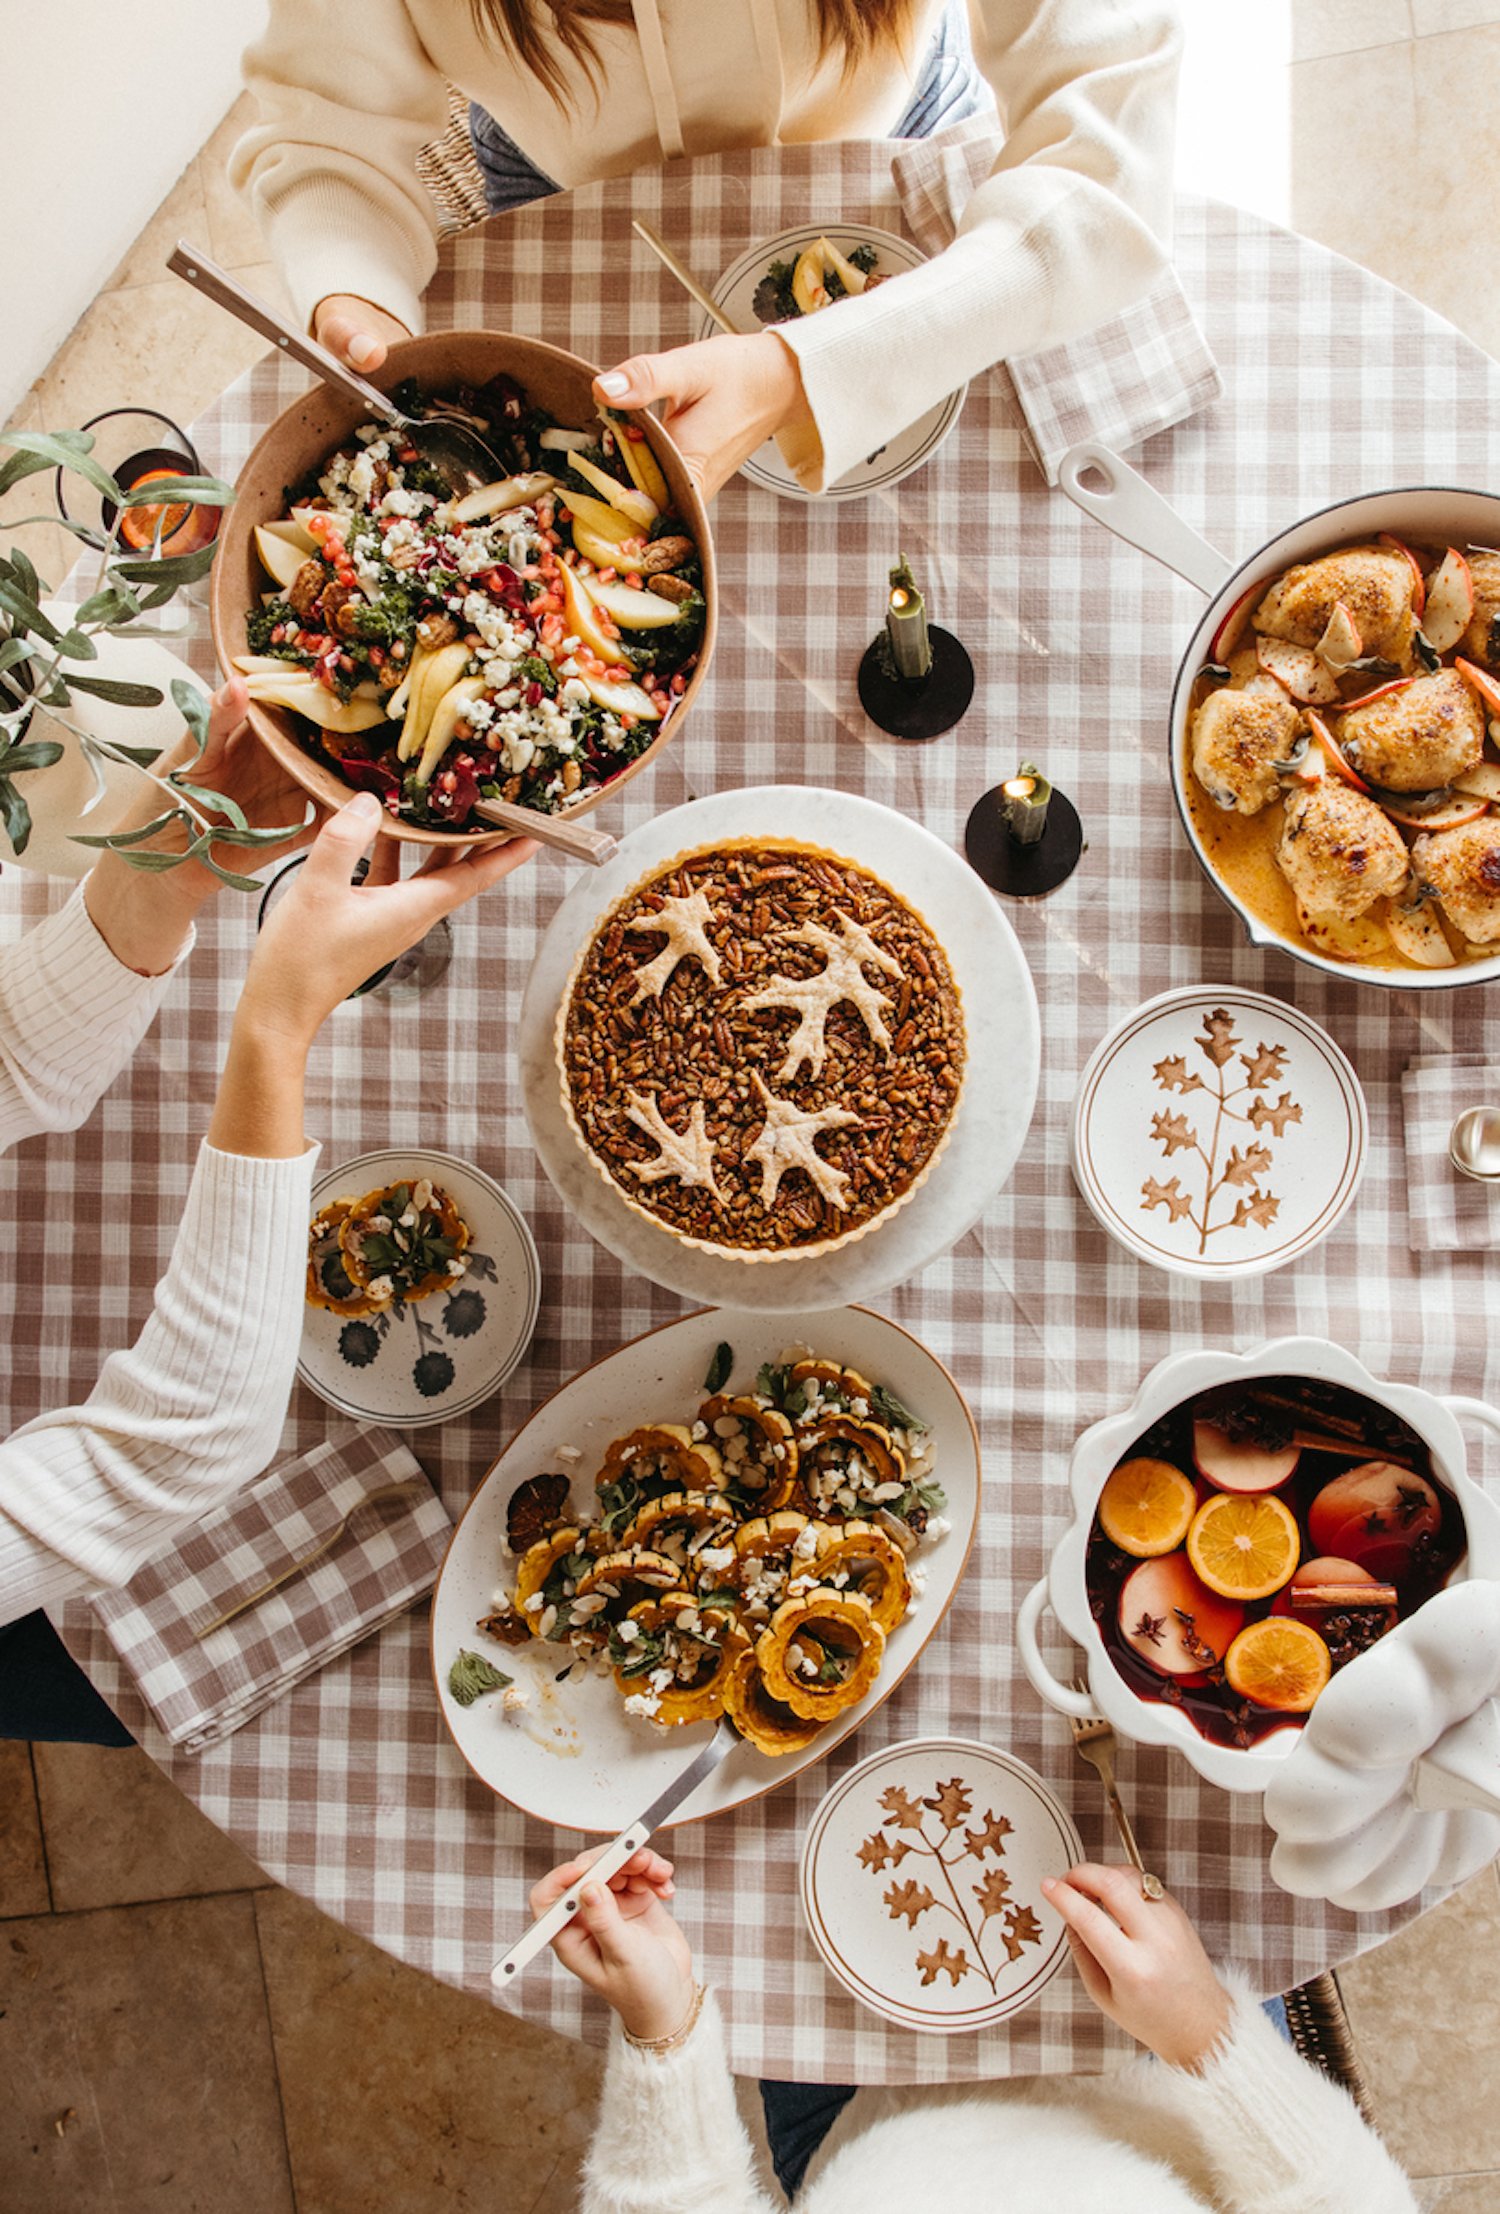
917 708
1023 871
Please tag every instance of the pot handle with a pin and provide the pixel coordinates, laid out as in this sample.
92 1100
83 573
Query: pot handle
1127 505
1043 1682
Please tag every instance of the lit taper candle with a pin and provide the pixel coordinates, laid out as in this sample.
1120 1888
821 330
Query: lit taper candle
906 624
1024 798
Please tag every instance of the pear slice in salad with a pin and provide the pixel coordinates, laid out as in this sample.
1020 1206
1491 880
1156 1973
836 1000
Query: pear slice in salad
499 498
816 262
438 671
603 552
635 452
633 610
627 499
446 716
621 699
319 705
582 616
280 556
604 521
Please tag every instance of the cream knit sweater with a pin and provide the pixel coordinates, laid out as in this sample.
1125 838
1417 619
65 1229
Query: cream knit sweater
1258 2132
194 1409
1070 226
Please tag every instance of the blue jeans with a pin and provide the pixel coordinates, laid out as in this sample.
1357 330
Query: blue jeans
949 89
798 2118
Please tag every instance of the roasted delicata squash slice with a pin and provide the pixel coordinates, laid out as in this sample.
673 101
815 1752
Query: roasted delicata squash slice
768 1467
770 1535
536 1565
623 1571
688 1513
664 1456
764 1721
820 1652
353 1231
847 1382
697 1696
876 1568
831 1444
329 1283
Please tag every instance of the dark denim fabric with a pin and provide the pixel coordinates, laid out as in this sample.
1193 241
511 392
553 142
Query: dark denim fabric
45 1695
798 2118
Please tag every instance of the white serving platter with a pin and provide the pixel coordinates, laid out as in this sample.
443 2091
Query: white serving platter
901 455
574 1757
414 1366
1000 1016
921 1884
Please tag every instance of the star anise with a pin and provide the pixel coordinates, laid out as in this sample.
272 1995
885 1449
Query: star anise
1374 1524
1412 1501
1150 1626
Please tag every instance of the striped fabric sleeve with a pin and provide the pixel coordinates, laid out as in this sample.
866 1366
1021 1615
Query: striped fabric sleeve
188 1415
71 1015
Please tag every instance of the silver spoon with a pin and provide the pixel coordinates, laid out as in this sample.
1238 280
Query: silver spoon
462 460
1474 1144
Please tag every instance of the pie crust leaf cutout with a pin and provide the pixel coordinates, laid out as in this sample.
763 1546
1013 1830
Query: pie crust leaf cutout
687 1155
813 998
788 1141
683 921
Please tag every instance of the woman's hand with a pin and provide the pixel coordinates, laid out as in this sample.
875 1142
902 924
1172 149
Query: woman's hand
725 396
1141 1962
355 331
144 918
623 1943
326 935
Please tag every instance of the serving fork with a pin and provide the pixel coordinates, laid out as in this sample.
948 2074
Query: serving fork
1094 1741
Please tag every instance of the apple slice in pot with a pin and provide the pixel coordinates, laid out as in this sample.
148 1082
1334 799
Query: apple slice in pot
1418 580
1298 671
1481 682
1340 645
1234 625
1480 782
1378 692
1172 1621
1239 1464
1450 602
1333 753
1418 935
1449 813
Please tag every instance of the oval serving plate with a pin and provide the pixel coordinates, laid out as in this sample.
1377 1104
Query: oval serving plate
910 448
416 1365
921 1884
575 1757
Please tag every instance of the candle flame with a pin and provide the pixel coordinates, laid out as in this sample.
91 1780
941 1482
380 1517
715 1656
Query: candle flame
898 599
1019 787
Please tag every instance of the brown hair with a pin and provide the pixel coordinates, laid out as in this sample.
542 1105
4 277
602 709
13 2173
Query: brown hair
858 27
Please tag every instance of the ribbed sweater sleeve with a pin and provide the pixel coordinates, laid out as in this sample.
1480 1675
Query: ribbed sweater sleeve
1071 225
348 98
1280 2136
190 1413
71 1016
670 2139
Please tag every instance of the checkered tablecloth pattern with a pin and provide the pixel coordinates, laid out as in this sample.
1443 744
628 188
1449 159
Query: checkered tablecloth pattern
350 1791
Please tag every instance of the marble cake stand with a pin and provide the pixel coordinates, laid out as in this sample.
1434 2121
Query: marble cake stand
1000 1009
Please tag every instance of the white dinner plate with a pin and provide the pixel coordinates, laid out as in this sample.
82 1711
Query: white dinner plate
1218 1133
1000 1017
574 1756
415 1365
922 1883
910 448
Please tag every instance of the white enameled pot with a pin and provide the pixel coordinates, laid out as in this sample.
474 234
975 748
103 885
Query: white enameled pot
1096 480
1183 1376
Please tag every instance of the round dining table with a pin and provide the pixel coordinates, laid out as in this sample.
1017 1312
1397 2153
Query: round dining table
349 1790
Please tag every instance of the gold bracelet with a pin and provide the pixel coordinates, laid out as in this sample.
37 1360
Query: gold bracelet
663 2045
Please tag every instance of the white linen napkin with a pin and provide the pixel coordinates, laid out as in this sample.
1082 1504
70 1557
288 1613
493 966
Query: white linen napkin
1446 1212
201 1689
1139 373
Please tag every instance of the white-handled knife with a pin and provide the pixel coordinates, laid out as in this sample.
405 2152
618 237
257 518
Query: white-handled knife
615 1855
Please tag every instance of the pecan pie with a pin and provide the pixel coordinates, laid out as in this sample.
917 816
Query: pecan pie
762 1048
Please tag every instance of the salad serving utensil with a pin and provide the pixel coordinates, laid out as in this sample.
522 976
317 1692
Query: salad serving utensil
614 1856
685 278
556 831
1094 1741
461 459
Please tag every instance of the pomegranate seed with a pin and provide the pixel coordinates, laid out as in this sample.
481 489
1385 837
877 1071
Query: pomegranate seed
533 694
278 635
634 433
627 722
493 739
407 453
377 657
448 782
679 685
607 576
633 581
346 663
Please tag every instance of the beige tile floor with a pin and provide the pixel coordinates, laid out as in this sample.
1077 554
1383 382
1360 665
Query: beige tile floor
175 2032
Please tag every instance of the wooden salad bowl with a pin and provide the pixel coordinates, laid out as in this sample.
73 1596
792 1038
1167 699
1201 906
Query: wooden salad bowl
316 424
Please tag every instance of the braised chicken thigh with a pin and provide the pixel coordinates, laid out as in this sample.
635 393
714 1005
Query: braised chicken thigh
1482 638
1238 737
1462 866
1375 584
1339 852
1417 737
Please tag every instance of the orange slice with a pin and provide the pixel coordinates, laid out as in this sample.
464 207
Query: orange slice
138 525
1244 1545
1146 1507
1280 1663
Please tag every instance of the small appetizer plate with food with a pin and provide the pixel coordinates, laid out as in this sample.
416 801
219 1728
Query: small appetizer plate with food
764 1517
922 1884
801 272
423 1287
1218 1133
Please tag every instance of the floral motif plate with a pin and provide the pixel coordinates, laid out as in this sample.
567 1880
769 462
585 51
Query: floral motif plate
909 449
922 1883
1218 1133
425 1363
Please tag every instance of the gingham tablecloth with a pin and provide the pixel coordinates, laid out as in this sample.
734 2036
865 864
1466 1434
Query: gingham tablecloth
350 1791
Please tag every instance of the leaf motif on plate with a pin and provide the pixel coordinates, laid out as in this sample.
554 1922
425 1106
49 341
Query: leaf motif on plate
905 1901
941 1962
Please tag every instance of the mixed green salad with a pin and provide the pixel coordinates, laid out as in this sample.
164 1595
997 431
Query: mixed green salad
524 642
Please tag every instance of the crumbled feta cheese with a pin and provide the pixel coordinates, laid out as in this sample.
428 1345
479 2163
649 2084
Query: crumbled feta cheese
514 1699
534 1604
627 1631
644 1703
938 1526
806 1544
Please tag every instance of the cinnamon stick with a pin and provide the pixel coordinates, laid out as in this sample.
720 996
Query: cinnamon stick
1312 1598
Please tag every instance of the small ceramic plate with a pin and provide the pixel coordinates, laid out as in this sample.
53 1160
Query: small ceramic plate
426 1363
735 293
1218 1133
922 1884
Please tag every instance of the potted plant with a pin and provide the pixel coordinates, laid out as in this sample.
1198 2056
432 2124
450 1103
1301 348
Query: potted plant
66 675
